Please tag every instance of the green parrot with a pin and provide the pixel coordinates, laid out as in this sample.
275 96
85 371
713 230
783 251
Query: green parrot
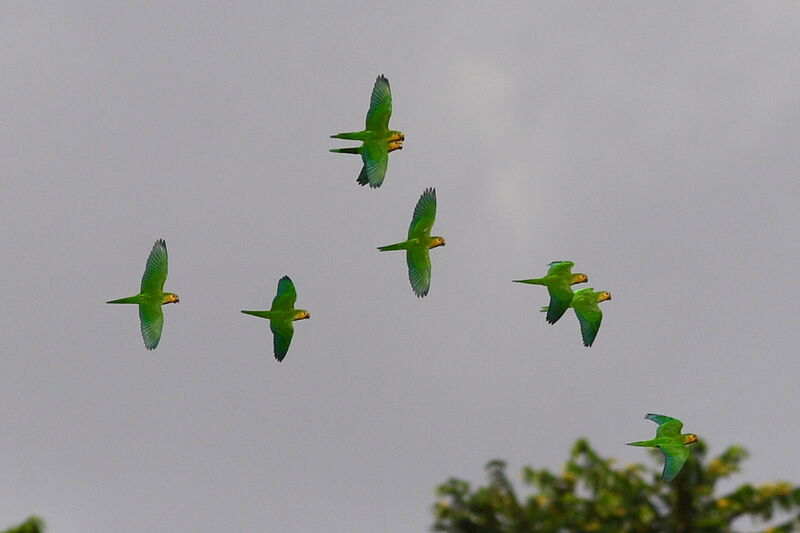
151 296
558 281
281 316
378 139
419 242
584 302
671 443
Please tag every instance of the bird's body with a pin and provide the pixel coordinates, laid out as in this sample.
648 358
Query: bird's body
281 316
585 303
671 443
378 140
152 296
559 281
418 243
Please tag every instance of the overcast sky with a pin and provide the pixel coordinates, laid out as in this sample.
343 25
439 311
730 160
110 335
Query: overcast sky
653 144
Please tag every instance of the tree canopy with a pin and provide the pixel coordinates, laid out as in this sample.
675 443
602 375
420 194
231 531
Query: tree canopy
33 524
591 494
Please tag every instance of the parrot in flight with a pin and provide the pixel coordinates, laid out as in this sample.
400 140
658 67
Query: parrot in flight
419 242
558 281
151 295
671 443
281 316
378 140
585 303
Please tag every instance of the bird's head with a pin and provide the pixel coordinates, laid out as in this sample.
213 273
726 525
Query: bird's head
397 136
170 298
395 145
603 296
437 241
302 314
579 278
689 438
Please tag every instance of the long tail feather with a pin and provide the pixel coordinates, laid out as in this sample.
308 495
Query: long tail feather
536 281
350 135
128 300
389 247
261 314
345 150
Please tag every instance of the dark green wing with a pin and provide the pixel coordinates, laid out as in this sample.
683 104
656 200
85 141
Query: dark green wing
675 457
363 177
155 272
380 105
286 297
590 316
668 427
424 215
560 268
282 331
659 419
375 155
560 298
151 318
419 270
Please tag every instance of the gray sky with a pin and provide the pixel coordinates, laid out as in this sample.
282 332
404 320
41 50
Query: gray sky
654 144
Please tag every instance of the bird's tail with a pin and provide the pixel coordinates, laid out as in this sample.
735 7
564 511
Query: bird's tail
536 281
128 300
389 247
261 314
648 443
345 150
350 135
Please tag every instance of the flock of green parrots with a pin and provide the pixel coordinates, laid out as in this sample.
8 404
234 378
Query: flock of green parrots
377 142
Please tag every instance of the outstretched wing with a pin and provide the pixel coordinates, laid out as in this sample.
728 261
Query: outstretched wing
560 268
380 105
151 318
658 419
675 457
667 426
155 272
560 298
286 297
375 155
590 317
424 215
282 331
419 270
